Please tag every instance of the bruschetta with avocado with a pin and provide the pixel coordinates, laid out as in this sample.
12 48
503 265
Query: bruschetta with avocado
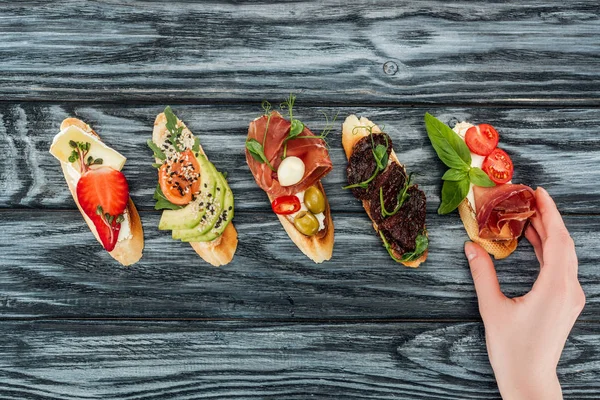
197 202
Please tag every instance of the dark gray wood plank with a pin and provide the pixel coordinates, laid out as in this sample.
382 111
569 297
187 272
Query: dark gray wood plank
555 148
198 360
358 52
52 267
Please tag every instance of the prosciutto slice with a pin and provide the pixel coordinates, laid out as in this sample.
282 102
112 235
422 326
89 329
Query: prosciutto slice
503 210
312 152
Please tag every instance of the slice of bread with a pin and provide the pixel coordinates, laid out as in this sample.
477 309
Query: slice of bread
498 248
318 247
127 251
353 130
221 250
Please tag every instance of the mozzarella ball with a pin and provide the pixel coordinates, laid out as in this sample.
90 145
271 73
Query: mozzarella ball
290 171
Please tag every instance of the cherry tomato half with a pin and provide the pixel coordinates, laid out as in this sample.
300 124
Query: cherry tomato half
481 139
286 205
498 166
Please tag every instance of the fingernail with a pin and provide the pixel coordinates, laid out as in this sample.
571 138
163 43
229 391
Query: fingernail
470 250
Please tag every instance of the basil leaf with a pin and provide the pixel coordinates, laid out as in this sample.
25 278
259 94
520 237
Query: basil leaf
455 175
158 153
421 244
453 192
450 148
295 129
480 178
162 202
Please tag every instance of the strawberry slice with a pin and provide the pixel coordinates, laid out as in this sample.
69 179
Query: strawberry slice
103 194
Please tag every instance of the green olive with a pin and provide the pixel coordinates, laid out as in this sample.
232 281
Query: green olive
314 200
306 223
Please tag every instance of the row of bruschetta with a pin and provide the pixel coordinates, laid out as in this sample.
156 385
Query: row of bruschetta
288 161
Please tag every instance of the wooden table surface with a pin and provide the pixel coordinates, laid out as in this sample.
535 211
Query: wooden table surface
273 325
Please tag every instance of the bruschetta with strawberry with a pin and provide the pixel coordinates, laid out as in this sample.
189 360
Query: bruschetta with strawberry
195 197
100 190
494 211
288 162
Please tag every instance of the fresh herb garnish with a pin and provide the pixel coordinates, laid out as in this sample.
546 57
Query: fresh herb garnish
453 152
162 202
158 153
257 151
400 200
421 244
196 146
296 126
381 160
79 152
174 130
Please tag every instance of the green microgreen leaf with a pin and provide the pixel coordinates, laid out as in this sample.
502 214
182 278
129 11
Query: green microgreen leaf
400 199
98 161
90 159
162 202
99 210
295 129
172 127
256 150
120 218
421 244
479 178
158 153
73 144
388 247
196 146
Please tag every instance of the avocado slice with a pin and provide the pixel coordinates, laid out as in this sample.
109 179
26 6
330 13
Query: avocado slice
190 216
213 205
224 219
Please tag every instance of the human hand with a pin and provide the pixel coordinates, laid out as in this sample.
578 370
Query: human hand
525 336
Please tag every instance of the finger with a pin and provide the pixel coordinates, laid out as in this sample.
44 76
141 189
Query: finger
536 243
484 277
557 244
549 216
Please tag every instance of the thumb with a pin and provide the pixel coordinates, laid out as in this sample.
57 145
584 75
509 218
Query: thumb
484 276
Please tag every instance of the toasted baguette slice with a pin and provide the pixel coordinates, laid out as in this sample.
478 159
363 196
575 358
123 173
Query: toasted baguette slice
352 132
128 251
221 250
318 247
498 248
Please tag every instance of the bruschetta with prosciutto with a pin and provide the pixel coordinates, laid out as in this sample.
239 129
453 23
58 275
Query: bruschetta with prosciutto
288 162
494 211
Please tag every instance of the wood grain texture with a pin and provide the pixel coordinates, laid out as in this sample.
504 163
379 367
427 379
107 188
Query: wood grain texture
348 52
52 267
145 360
554 148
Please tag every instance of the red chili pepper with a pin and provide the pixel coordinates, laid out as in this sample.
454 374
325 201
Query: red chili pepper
286 205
